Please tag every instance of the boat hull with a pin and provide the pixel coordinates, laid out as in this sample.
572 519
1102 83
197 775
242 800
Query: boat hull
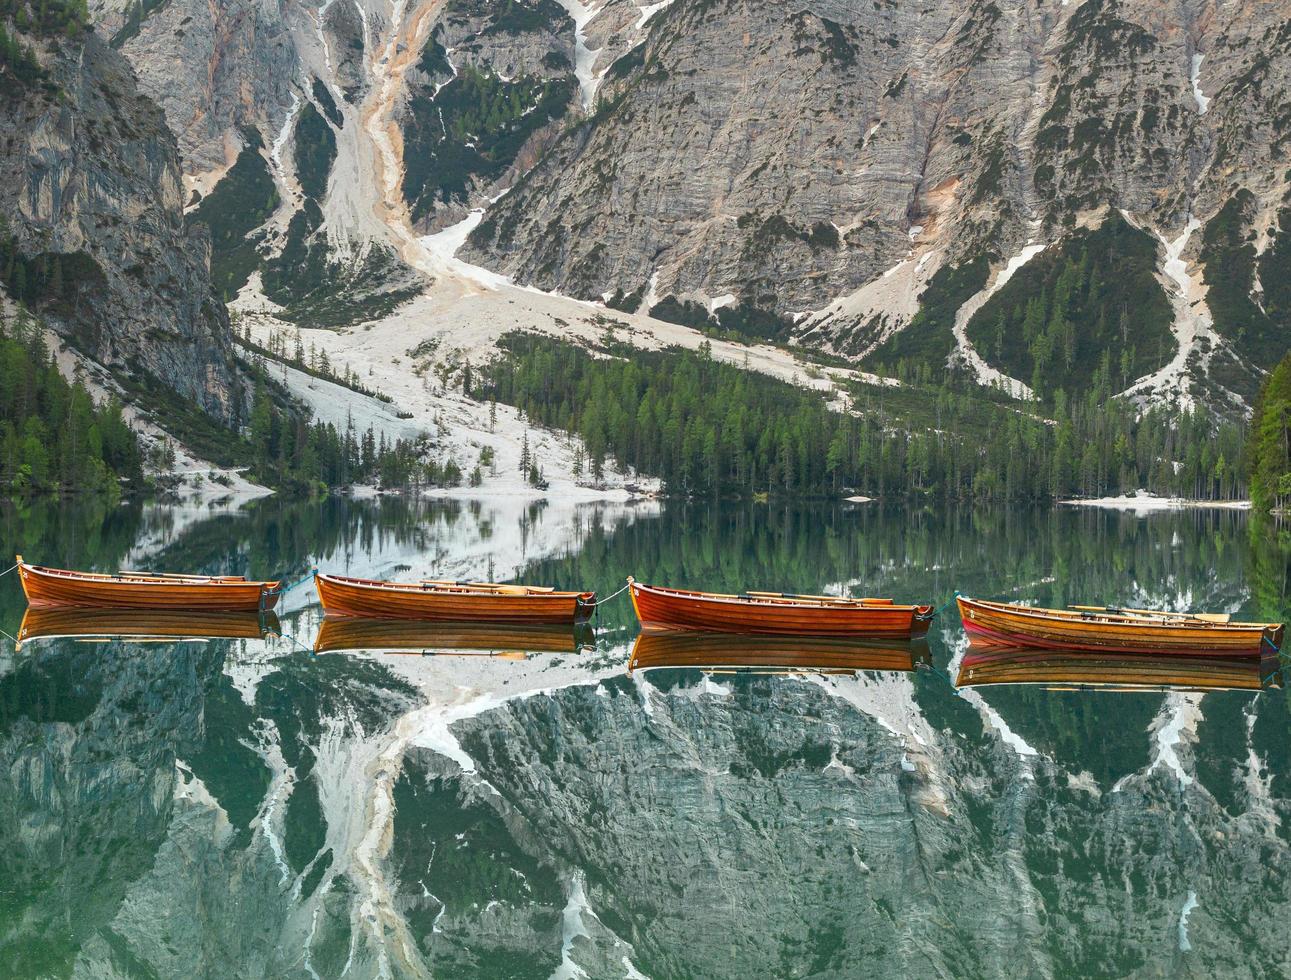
371 599
664 610
52 588
1005 624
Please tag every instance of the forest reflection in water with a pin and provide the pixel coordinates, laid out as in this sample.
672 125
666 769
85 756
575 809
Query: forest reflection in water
299 798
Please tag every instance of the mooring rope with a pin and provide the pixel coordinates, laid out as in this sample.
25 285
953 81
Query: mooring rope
284 589
8 570
942 608
613 595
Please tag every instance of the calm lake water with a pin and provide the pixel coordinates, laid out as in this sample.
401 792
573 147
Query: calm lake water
247 807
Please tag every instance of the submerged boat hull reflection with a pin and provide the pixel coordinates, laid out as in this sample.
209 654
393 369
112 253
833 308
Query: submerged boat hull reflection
771 654
142 625
412 636
1079 670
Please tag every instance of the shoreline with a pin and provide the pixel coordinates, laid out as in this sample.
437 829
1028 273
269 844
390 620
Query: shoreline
1146 503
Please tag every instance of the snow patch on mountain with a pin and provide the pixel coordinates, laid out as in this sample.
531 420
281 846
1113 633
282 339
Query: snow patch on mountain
1203 102
584 58
1193 329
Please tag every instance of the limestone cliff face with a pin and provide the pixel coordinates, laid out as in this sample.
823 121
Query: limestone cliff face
213 68
91 188
796 151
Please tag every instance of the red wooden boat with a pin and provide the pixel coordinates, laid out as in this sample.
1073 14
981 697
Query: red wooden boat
776 613
461 602
46 587
1116 630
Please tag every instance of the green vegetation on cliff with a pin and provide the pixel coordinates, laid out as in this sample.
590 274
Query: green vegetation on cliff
1269 450
472 130
239 204
929 338
53 438
54 281
1256 326
1091 301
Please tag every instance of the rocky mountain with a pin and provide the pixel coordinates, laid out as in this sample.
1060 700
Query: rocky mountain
822 162
1033 196
94 237
855 180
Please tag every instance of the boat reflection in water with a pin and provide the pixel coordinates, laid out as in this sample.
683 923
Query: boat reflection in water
1076 670
88 625
731 653
432 638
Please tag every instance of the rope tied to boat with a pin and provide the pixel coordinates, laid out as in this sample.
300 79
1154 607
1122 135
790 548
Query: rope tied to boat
613 595
9 569
942 608
284 589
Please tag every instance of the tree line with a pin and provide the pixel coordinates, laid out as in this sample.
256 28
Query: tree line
1270 441
707 427
53 438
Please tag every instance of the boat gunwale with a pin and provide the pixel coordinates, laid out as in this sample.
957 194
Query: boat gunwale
409 588
840 603
1169 620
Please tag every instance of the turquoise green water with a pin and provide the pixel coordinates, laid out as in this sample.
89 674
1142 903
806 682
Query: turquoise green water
473 806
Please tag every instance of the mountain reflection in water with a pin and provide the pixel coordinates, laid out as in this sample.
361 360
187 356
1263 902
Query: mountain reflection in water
245 806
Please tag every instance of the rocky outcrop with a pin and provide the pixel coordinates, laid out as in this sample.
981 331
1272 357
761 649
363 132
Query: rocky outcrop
485 100
238 63
801 171
91 188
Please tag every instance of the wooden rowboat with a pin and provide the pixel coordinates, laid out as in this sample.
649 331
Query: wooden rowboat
728 652
47 587
462 602
1116 630
142 625
409 636
661 609
1080 670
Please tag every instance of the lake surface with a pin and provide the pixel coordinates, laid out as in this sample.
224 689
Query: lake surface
244 806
